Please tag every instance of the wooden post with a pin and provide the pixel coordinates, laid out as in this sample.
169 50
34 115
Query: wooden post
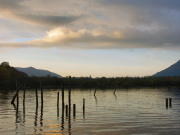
17 99
95 92
41 116
24 100
170 100
166 102
41 94
74 110
83 107
24 92
69 118
69 95
12 101
62 85
58 100
36 98
66 110
115 90
58 105
62 123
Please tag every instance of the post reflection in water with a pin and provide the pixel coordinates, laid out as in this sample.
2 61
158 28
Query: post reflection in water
96 100
16 109
41 116
36 115
62 121
24 112
36 111
18 116
16 121
69 122
57 113
115 97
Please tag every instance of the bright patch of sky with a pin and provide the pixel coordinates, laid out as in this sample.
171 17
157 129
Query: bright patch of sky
97 63
22 39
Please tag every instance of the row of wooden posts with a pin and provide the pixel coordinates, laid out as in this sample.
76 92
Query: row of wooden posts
67 107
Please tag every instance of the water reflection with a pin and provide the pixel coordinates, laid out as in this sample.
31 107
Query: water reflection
24 113
62 119
36 115
69 121
83 108
115 96
18 118
95 100
24 102
95 97
57 113
134 112
41 116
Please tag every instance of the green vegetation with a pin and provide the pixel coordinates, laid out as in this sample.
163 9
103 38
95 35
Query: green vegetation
9 75
84 82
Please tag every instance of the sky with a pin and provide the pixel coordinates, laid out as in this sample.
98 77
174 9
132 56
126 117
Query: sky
97 38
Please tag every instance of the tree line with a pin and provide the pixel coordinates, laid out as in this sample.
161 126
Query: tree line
9 75
87 82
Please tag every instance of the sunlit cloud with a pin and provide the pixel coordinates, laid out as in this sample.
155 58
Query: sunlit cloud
63 37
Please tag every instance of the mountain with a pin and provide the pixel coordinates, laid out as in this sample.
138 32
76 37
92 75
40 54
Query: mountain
173 70
31 71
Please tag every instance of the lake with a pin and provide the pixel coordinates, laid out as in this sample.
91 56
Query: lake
127 112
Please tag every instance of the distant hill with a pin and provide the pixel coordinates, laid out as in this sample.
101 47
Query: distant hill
173 70
31 71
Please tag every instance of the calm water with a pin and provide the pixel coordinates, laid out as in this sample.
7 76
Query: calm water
133 111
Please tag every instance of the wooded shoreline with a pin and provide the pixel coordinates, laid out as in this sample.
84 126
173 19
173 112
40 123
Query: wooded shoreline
88 82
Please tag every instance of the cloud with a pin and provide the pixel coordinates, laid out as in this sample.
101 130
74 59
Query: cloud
100 24
46 19
11 5
173 4
63 37
16 10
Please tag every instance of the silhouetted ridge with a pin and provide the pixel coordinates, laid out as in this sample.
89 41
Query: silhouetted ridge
31 71
173 70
